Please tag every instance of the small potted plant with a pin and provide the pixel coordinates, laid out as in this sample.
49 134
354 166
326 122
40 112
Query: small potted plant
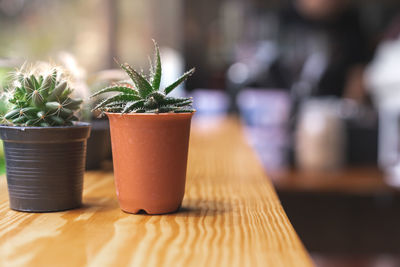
44 146
150 136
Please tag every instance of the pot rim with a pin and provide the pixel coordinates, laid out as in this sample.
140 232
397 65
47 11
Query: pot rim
151 114
76 125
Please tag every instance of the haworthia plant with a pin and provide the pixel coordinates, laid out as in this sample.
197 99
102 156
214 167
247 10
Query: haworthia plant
41 99
143 94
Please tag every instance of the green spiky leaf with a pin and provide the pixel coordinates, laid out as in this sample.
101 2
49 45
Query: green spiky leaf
53 80
116 88
20 119
46 85
116 103
28 85
179 81
184 104
140 82
56 120
12 114
120 97
72 103
133 105
57 92
157 95
156 76
188 110
37 99
175 100
34 81
30 111
166 109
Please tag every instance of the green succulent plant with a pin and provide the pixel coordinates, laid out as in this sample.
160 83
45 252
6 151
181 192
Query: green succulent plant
40 100
142 94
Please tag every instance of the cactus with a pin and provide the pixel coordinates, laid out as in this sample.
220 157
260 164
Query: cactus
40 99
143 94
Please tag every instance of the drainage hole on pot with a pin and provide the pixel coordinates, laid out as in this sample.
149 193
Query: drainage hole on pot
142 211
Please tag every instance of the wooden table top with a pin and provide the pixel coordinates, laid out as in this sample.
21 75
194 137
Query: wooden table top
231 216
365 180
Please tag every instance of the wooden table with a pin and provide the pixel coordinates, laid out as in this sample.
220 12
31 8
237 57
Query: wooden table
231 216
363 180
334 212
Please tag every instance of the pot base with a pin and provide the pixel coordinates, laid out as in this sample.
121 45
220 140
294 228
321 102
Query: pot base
35 209
51 204
151 211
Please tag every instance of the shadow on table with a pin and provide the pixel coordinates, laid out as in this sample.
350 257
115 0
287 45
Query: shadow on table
202 208
198 208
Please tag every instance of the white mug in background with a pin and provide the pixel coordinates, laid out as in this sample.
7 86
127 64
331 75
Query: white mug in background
320 139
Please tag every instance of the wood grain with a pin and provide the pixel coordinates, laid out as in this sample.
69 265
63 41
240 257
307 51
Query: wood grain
231 216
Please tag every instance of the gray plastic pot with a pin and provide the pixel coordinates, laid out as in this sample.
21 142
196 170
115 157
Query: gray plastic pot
45 166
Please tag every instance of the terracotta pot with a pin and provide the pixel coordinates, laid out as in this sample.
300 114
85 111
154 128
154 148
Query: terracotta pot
45 166
150 158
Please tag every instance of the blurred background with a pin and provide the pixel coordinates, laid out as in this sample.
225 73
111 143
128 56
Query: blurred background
315 84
